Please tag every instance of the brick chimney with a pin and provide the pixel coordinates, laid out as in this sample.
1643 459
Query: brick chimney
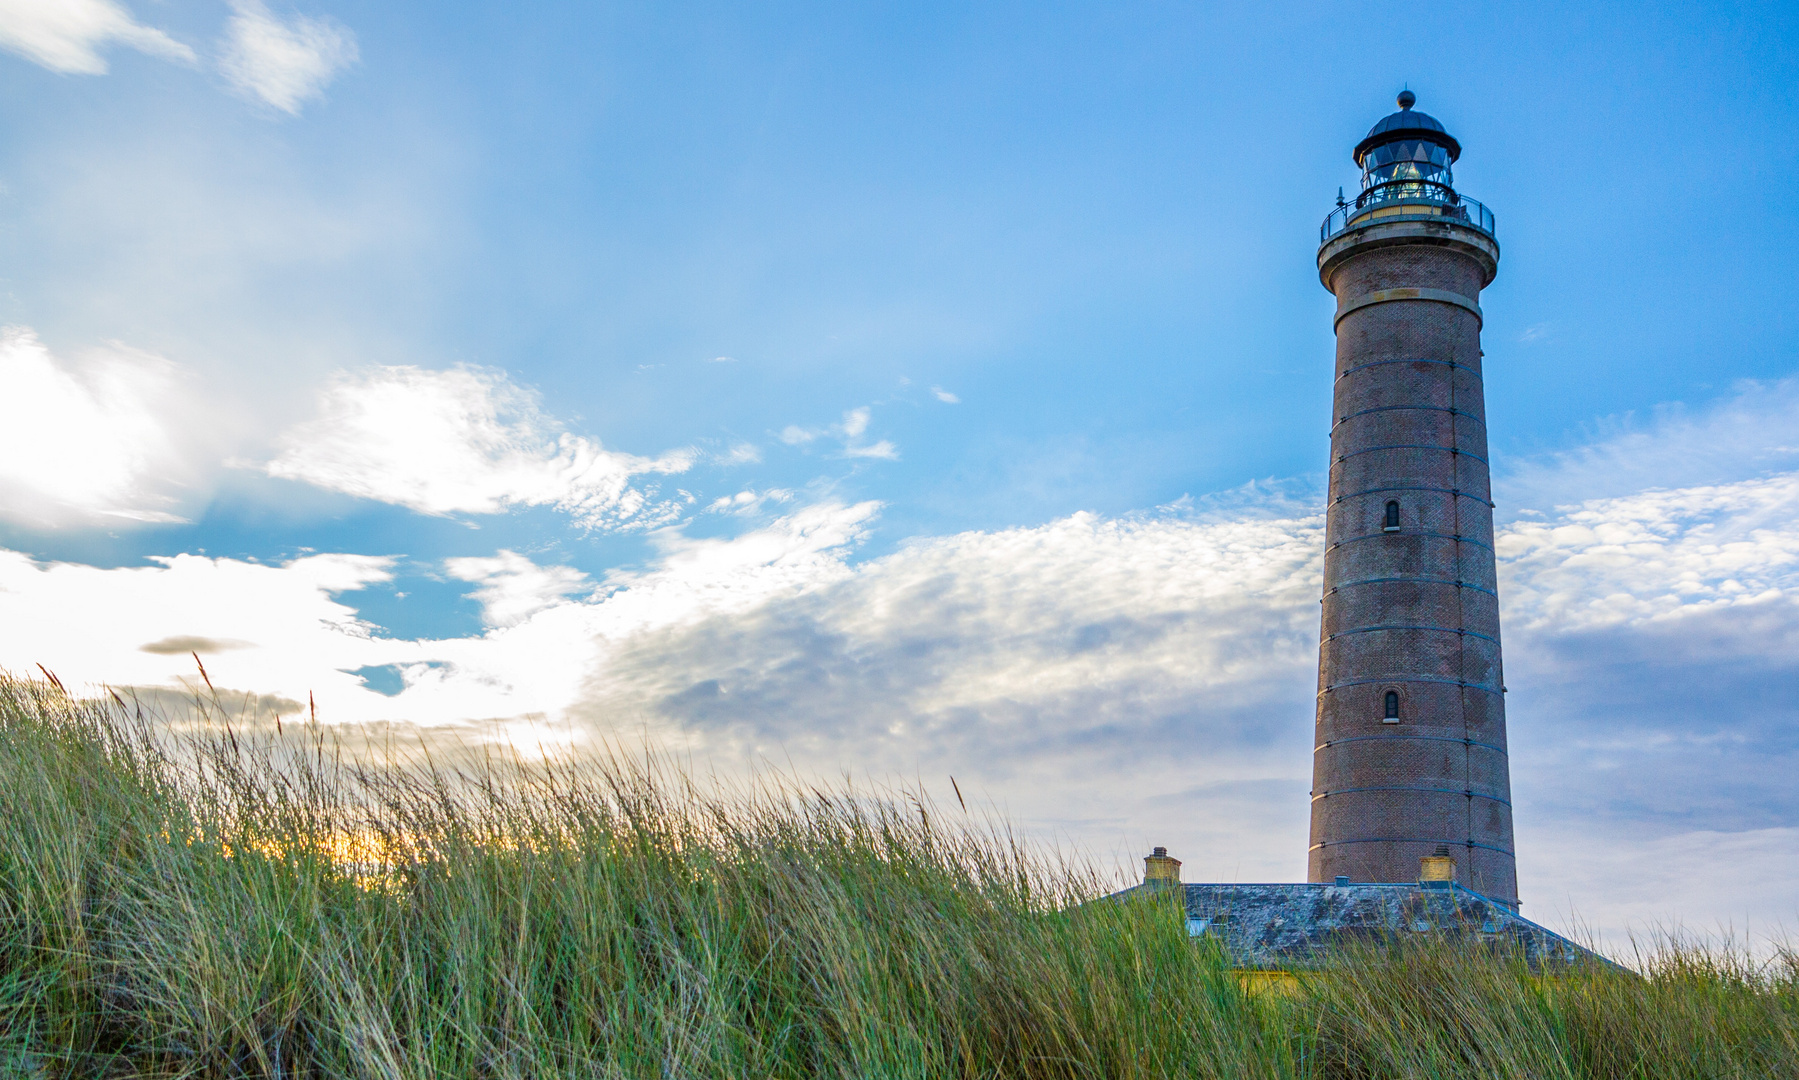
1437 869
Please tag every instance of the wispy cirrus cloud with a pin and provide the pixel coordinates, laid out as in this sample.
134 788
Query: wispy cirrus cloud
283 62
466 440
70 36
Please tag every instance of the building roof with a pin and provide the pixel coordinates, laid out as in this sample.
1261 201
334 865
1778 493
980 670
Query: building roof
1284 926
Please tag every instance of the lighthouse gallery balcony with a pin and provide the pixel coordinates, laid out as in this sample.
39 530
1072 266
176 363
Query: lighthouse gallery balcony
1407 201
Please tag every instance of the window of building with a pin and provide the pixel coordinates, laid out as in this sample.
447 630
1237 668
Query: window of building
1392 714
1391 524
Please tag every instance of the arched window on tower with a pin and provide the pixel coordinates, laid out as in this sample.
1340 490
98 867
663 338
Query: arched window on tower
1391 523
1392 713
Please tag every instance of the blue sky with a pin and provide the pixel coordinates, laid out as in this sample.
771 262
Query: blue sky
905 389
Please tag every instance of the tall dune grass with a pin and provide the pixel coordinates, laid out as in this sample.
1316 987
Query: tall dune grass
230 907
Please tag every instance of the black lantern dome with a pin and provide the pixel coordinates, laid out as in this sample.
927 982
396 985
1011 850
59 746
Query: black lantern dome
1409 150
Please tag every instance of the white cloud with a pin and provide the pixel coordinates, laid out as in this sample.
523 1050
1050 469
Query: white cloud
749 502
695 578
883 450
285 633
741 454
66 36
850 429
855 422
465 440
513 588
945 396
283 62
89 439
854 426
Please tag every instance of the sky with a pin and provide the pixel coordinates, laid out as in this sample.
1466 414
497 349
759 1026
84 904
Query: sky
905 391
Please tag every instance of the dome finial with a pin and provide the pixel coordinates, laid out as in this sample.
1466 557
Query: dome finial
1407 99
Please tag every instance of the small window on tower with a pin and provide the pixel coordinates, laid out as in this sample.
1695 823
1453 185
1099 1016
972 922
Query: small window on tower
1392 714
1391 524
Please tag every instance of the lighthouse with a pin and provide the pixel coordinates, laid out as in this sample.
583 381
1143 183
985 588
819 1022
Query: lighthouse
1411 791
1409 761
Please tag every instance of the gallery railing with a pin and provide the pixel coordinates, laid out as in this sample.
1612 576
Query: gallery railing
1409 201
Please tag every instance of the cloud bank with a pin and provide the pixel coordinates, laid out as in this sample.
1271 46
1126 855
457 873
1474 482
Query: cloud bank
1109 682
1654 557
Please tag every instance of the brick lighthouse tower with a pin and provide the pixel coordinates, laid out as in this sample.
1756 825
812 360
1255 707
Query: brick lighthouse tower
1410 756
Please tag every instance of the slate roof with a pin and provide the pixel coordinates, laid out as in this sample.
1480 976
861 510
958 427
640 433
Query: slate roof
1286 926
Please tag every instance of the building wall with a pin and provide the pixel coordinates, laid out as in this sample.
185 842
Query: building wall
1414 611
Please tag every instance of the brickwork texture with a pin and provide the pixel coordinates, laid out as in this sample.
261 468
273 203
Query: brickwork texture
1411 610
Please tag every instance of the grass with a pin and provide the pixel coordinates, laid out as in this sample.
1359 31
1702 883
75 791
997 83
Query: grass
268 907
